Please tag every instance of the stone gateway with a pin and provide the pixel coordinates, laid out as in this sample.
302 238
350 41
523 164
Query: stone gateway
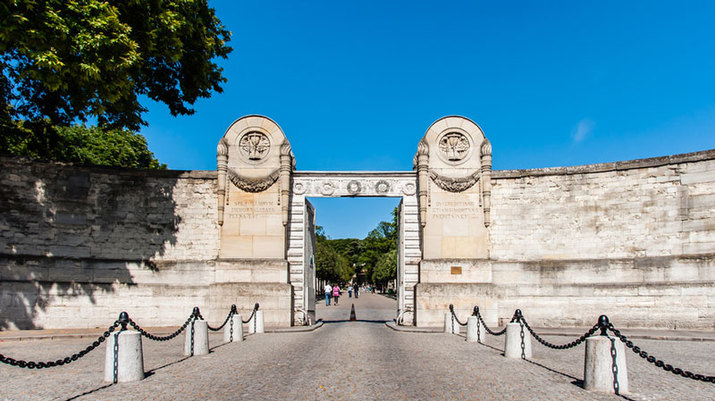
634 240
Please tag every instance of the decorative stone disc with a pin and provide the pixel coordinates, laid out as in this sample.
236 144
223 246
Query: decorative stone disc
299 188
409 189
382 187
454 146
354 187
254 145
327 188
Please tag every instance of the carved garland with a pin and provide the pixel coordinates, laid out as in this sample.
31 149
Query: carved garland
253 184
454 184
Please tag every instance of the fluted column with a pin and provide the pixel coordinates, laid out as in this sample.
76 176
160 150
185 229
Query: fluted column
423 179
286 167
222 165
486 180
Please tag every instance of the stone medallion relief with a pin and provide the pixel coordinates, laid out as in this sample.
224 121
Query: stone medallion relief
254 145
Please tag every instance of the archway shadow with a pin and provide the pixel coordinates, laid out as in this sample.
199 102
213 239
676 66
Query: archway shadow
357 320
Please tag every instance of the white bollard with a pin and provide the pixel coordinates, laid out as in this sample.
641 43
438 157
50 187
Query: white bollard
255 325
201 338
512 348
472 323
130 359
237 334
598 372
449 325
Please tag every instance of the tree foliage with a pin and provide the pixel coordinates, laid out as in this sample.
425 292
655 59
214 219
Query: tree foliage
375 255
94 146
68 61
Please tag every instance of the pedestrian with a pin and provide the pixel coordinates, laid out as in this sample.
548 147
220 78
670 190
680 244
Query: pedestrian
328 292
356 287
350 291
336 294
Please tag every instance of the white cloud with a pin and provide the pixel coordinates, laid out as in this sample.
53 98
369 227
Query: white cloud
582 130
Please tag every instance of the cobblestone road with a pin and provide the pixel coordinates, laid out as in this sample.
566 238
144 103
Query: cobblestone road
349 361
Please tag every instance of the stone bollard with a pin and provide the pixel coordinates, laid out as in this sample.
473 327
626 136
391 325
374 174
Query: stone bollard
472 323
130 358
449 325
201 339
512 348
124 353
237 329
255 325
598 367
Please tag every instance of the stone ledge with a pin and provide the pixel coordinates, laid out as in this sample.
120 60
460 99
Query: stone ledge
607 167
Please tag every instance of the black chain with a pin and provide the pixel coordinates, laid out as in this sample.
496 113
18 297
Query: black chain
230 338
563 346
488 330
228 317
116 357
657 362
192 337
255 308
454 317
479 331
614 367
50 364
158 338
523 345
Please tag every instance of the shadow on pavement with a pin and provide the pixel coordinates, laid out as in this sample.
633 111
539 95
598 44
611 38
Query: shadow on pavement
357 320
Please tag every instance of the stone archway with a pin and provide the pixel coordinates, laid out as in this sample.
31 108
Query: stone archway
320 184
267 232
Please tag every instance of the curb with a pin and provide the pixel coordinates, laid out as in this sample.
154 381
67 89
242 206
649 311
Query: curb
298 329
662 337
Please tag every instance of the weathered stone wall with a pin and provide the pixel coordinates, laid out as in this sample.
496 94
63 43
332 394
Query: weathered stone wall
653 207
634 240
79 245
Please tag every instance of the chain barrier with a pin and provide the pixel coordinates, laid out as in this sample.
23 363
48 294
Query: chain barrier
655 361
116 358
192 336
523 345
228 317
255 308
160 338
51 364
454 317
562 346
486 328
614 367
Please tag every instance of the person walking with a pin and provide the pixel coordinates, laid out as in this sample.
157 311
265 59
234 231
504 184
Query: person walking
356 289
328 292
350 291
336 294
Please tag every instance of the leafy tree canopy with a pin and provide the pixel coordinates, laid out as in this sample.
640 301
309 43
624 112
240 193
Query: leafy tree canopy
376 254
68 61
93 146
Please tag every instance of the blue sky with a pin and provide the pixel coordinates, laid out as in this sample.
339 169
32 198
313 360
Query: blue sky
355 84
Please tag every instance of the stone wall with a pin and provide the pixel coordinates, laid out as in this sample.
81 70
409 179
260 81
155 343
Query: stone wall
634 240
78 245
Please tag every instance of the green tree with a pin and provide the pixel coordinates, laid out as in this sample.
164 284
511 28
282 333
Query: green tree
330 265
94 146
65 61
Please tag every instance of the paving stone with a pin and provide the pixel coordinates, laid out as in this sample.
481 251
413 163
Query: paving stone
346 360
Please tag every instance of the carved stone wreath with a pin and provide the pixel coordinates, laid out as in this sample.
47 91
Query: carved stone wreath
454 184
253 184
